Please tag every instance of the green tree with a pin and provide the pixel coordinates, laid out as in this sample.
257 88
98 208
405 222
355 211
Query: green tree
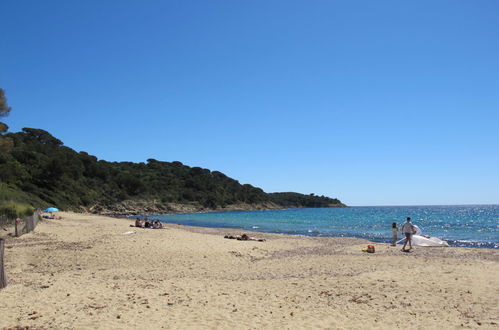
4 111
5 143
42 136
39 170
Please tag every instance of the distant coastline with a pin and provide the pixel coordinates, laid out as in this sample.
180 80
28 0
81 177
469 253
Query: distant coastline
144 207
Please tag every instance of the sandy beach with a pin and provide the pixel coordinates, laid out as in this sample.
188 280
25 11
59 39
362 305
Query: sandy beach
89 272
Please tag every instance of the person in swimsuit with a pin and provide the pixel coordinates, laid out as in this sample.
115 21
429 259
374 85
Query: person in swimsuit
408 230
395 231
244 237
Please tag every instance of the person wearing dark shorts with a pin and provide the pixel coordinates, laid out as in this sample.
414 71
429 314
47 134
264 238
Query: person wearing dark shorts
408 230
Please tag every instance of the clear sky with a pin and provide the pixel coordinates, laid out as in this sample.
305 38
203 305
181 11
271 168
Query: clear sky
372 102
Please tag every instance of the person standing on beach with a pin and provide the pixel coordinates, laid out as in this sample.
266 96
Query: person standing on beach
408 230
395 230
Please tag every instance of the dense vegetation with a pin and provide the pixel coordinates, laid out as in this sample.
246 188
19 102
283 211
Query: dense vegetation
37 168
292 199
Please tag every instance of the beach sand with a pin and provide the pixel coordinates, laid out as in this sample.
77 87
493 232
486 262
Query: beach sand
84 272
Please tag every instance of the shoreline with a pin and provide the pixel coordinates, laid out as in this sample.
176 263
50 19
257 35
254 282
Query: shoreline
95 272
387 239
452 243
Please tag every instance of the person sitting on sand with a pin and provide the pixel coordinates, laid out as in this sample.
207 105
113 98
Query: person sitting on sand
138 223
244 237
147 224
408 230
157 225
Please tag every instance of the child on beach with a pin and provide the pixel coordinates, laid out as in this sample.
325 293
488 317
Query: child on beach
395 230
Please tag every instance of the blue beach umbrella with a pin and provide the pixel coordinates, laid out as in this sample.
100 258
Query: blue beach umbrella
51 209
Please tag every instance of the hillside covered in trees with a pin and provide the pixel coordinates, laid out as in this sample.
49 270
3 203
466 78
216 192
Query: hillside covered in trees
36 168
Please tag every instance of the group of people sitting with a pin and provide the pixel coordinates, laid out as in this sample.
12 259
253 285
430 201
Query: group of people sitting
156 224
51 216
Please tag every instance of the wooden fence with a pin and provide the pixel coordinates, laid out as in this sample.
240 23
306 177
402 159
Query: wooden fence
3 277
26 225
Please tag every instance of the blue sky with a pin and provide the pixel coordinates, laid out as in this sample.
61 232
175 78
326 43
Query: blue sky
372 102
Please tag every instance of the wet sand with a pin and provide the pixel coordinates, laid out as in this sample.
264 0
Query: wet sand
84 272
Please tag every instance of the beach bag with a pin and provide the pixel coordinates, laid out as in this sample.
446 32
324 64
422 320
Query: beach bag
370 248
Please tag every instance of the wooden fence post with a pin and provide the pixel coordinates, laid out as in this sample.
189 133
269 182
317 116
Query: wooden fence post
3 277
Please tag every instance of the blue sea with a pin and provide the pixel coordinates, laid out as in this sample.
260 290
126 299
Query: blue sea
469 225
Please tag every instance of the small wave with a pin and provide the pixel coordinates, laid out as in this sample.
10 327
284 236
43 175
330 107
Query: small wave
469 243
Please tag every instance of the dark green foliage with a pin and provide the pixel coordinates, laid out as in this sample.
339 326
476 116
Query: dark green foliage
4 111
4 108
291 199
43 172
5 143
13 210
42 136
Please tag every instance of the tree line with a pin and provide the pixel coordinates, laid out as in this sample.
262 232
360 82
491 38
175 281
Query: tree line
37 169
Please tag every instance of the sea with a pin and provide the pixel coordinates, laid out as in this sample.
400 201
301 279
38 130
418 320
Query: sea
466 225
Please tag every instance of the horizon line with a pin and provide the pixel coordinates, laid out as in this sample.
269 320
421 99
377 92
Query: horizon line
405 205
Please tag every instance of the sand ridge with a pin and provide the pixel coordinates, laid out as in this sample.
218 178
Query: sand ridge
84 272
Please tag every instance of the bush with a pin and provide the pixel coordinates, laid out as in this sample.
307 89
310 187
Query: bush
12 210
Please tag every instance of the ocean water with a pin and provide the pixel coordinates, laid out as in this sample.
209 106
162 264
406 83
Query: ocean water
470 225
